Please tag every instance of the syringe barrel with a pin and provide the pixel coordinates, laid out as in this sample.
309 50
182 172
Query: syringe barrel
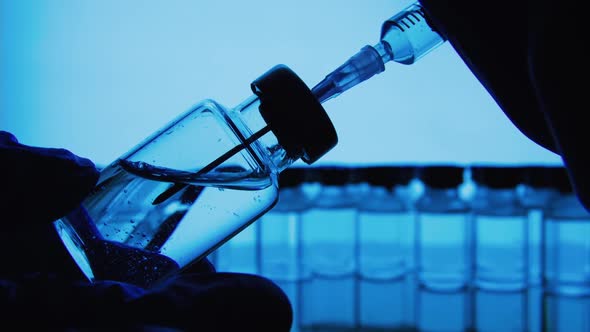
409 35
405 38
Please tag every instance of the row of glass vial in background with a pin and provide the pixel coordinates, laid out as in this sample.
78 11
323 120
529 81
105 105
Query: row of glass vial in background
492 227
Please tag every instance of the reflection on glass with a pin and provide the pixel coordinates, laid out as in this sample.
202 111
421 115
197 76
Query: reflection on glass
500 311
385 305
328 304
566 313
441 311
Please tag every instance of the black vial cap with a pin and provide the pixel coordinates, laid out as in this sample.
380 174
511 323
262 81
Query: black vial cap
311 174
356 174
441 176
539 176
333 175
389 176
294 114
560 180
497 176
292 177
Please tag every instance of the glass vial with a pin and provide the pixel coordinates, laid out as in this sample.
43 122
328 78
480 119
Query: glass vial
241 253
196 183
500 228
567 241
329 226
441 311
280 235
328 250
500 311
535 194
442 243
384 221
566 313
280 228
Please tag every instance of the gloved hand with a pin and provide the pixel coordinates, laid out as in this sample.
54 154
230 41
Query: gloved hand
525 54
40 285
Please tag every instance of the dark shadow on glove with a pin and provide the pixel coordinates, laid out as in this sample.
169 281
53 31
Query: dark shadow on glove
40 185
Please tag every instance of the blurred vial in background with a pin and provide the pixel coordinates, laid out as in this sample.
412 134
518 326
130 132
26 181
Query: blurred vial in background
500 311
240 254
567 241
384 220
280 235
328 226
413 191
535 311
566 313
280 228
441 236
535 193
500 228
328 250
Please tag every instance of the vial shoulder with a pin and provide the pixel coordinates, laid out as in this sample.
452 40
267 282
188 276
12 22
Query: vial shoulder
209 104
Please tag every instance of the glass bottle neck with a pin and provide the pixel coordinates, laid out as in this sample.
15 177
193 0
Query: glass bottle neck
252 126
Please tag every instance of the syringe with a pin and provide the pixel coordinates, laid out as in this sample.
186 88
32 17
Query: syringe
405 38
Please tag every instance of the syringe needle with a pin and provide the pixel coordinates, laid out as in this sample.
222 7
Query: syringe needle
172 190
369 61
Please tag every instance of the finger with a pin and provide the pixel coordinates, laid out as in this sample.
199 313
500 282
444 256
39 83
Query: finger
41 184
36 251
67 305
216 302
205 302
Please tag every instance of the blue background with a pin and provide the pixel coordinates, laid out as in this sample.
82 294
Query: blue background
96 77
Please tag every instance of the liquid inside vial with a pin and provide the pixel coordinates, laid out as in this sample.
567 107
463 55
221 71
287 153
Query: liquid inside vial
128 238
